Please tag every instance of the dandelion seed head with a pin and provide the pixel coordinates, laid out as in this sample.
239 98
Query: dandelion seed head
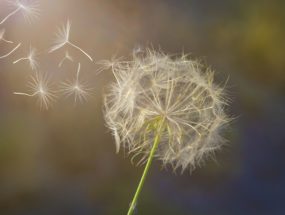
80 91
31 58
76 88
176 94
62 39
28 8
40 88
61 36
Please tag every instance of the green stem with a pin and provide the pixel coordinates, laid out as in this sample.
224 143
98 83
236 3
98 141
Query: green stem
146 169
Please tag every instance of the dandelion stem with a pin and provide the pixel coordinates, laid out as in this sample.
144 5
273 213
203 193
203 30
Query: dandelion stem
6 55
25 94
7 41
61 62
9 15
145 172
16 61
75 46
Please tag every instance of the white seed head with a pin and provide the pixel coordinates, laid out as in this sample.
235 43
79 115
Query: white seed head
63 38
30 9
76 88
39 87
176 94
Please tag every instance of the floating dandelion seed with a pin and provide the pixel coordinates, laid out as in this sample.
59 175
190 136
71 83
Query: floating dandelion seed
75 88
167 108
40 88
29 9
11 52
66 57
62 39
32 58
2 33
108 64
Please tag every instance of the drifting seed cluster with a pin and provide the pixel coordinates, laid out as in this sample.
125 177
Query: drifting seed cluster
39 85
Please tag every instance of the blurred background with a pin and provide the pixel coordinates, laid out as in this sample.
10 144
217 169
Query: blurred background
63 161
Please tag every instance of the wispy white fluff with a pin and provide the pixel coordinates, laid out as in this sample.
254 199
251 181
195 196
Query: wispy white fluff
76 88
29 9
11 52
39 87
2 36
175 94
31 58
63 38
108 64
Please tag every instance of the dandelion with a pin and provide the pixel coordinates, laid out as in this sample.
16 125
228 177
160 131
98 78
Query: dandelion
63 38
2 33
76 88
66 57
29 9
11 52
40 88
31 58
167 108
